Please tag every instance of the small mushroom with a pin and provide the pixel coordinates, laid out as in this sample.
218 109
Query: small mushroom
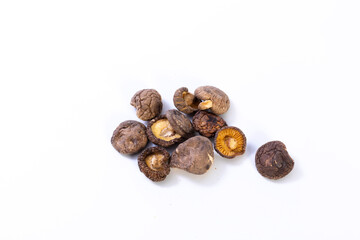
129 137
154 163
185 101
195 155
160 132
168 129
207 123
180 123
273 161
147 103
230 142
213 98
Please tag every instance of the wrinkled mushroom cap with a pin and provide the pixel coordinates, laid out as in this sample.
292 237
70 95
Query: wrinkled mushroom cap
273 161
214 99
147 103
185 101
161 132
195 155
129 137
207 123
154 163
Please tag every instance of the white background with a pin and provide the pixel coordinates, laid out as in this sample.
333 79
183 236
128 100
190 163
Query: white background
68 70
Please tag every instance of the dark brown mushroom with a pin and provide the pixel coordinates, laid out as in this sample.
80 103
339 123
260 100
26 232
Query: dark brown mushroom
147 103
213 98
207 123
154 163
180 123
230 142
195 155
168 129
129 137
185 101
273 161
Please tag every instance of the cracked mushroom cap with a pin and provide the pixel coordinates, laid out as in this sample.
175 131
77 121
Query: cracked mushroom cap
147 103
185 101
273 161
207 123
213 98
154 163
195 155
129 137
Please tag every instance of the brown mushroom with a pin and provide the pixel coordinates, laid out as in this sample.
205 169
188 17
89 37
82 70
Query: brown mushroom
185 101
207 123
147 103
160 132
154 163
230 142
195 155
213 98
180 123
168 129
129 137
273 161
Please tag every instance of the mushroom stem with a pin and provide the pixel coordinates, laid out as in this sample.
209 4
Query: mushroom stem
205 105
155 161
167 132
231 143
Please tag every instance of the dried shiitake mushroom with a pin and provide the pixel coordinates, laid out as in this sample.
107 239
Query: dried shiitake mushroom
213 98
154 163
195 155
185 101
168 129
273 161
180 123
129 137
207 123
160 132
230 142
147 103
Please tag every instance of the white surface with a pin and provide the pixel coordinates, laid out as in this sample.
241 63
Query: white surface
69 68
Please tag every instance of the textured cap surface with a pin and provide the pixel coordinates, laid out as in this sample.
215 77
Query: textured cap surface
180 123
220 101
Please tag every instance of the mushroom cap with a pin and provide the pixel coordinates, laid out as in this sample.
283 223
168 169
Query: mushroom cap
230 142
129 137
207 123
155 137
153 175
220 101
184 101
195 155
273 161
147 103
180 123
